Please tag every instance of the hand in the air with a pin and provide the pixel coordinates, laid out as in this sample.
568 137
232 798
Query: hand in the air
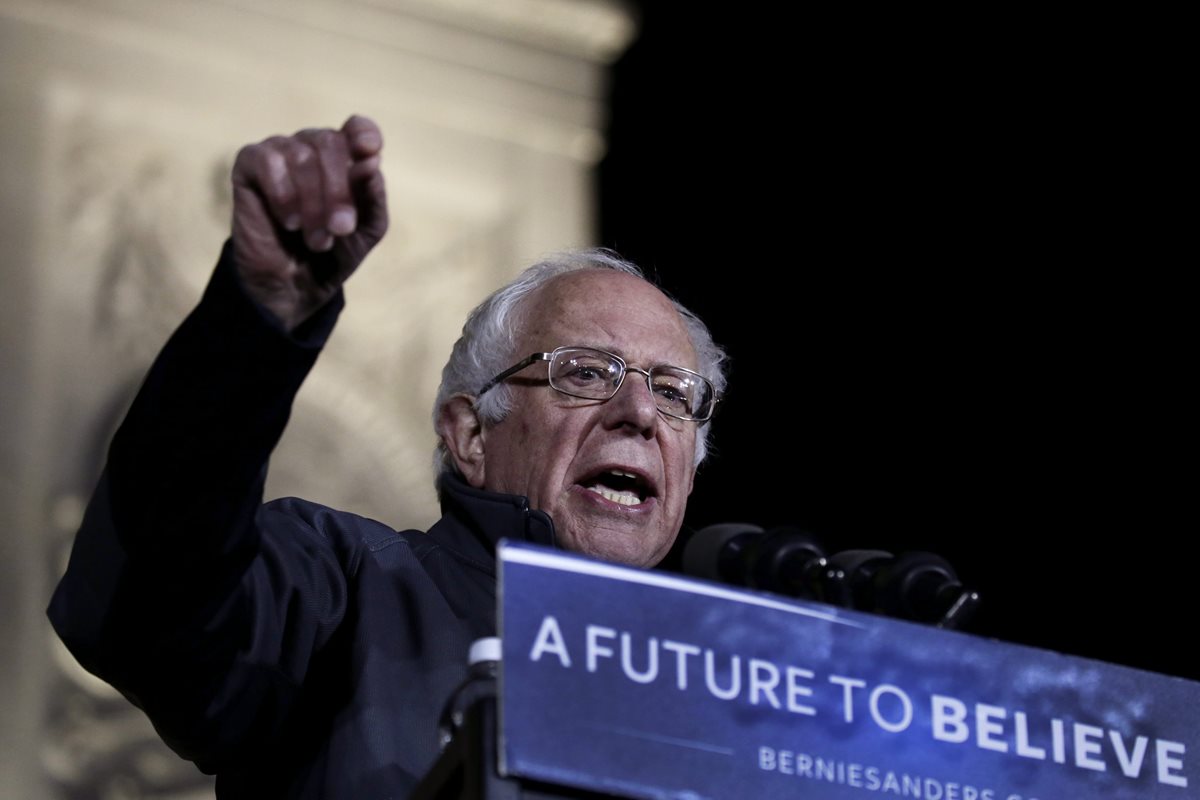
307 209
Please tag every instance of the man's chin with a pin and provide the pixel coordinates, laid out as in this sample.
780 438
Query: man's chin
635 547
634 535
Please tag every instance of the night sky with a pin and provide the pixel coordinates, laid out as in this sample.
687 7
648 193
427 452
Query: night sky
941 269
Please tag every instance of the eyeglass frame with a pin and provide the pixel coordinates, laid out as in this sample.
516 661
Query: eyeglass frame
533 358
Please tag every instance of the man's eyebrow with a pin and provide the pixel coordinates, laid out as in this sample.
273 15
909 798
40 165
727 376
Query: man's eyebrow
619 352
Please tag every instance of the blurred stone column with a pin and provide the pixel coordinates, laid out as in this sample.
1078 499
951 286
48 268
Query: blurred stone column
120 122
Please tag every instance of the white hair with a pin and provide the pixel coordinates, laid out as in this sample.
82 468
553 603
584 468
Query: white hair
488 343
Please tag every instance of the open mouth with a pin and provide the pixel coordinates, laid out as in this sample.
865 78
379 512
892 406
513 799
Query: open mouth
618 486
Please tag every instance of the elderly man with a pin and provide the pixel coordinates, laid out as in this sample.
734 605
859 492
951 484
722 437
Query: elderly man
298 651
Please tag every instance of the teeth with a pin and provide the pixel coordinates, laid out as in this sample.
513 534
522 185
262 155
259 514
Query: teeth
622 473
625 498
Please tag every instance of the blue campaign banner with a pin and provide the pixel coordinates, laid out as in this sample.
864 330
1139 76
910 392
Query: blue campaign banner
645 684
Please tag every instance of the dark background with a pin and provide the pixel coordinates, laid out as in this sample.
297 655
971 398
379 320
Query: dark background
944 257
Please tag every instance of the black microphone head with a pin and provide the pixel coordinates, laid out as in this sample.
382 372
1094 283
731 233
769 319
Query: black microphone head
860 563
787 560
919 586
856 577
715 552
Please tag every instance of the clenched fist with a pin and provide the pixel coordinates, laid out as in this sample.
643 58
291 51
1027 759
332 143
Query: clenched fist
307 209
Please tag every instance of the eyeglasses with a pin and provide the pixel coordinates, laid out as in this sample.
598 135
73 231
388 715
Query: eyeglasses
597 375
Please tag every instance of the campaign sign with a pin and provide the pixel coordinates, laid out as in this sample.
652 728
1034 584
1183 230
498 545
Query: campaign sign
644 684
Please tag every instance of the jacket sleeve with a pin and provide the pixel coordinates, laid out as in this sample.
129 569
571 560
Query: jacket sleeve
200 606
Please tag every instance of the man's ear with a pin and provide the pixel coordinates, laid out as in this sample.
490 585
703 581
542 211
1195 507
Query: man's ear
462 432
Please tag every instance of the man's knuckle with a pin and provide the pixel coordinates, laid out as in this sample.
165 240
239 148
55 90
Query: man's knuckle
300 153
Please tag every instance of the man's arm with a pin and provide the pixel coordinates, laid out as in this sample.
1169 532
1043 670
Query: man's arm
174 593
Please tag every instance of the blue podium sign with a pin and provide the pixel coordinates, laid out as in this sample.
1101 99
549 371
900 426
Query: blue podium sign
649 685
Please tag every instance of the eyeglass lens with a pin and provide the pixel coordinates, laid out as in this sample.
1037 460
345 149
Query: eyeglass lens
594 374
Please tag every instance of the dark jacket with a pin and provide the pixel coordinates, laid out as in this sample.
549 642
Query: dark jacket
294 650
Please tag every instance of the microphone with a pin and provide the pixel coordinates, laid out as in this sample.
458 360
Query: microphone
716 552
916 586
786 560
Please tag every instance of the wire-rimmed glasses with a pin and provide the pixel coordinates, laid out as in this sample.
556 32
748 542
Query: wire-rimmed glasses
597 375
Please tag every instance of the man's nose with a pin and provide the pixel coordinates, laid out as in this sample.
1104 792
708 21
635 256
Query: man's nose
633 405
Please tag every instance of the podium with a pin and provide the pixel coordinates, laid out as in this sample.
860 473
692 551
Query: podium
618 682
467 768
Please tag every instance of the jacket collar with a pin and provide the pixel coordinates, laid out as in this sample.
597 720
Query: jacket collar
475 520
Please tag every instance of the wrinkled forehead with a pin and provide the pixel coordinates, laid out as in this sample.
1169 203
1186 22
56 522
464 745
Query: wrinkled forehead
611 310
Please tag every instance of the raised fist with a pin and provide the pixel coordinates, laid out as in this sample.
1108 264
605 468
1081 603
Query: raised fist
307 209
